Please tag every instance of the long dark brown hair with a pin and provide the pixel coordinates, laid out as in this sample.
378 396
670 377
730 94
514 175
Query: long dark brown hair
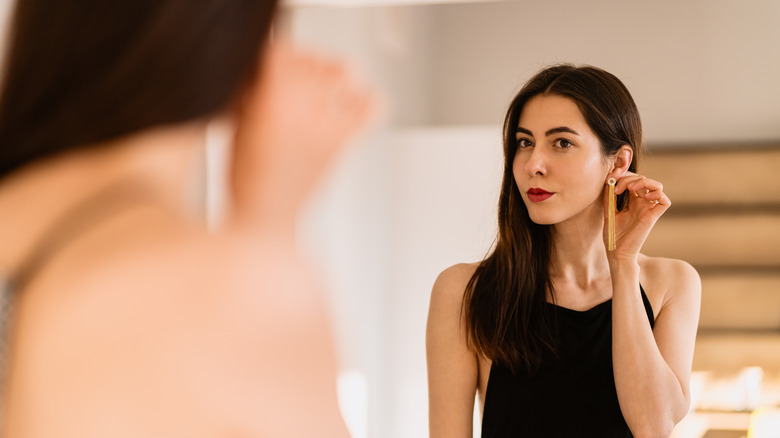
504 302
80 72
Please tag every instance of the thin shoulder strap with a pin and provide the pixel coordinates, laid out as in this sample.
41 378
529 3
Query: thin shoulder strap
648 307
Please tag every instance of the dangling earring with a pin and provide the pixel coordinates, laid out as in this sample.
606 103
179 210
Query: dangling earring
611 215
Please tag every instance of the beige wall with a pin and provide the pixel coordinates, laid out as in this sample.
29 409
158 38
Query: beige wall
699 70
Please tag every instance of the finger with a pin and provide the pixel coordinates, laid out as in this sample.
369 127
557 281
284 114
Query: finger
653 199
627 179
644 185
645 188
663 202
654 195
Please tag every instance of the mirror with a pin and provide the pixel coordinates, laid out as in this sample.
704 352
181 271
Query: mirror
419 193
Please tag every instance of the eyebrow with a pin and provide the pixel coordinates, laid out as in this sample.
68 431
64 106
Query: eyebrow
549 131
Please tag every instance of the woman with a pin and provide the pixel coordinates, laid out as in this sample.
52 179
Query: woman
127 317
557 335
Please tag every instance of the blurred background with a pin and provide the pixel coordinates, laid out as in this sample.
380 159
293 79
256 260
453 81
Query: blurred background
419 193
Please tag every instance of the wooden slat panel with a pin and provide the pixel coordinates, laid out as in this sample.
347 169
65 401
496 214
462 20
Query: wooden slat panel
713 176
739 240
728 352
746 301
725 220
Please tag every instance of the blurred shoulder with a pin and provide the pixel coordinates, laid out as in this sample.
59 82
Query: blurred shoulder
226 331
257 303
233 271
180 278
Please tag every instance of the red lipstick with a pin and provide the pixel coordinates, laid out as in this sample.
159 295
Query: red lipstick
538 195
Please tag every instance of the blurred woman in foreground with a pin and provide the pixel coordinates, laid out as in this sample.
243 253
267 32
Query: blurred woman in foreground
124 316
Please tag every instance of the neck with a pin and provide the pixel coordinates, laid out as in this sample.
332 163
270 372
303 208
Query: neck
167 160
578 253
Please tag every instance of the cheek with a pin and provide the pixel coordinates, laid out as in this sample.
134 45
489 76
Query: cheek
596 178
517 168
597 167
586 180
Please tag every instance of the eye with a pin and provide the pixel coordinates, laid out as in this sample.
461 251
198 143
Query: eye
562 143
523 143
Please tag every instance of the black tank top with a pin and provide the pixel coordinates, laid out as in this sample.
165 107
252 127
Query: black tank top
572 395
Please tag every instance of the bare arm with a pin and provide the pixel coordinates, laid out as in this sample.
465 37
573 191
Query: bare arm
453 368
651 367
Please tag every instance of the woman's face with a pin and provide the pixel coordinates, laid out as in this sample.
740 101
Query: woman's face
559 168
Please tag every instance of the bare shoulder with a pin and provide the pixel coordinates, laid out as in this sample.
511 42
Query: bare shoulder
451 283
453 366
445 316
667 272
666 279
221 273
180 272
236 323
255 270
183 286
257 289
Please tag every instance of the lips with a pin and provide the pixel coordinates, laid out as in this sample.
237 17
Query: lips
538 195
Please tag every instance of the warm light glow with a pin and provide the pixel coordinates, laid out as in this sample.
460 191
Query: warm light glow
765 423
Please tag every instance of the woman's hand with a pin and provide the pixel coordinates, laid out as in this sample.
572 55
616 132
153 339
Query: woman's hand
646 203
296 117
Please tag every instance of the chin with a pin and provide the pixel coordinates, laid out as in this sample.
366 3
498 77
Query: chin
542 219
545 213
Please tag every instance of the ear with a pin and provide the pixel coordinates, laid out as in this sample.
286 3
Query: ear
620 162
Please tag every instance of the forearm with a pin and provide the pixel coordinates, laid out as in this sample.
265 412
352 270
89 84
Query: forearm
650 394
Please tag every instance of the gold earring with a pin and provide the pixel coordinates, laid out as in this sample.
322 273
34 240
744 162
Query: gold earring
611 215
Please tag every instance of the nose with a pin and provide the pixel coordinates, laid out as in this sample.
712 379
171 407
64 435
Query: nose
536 162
